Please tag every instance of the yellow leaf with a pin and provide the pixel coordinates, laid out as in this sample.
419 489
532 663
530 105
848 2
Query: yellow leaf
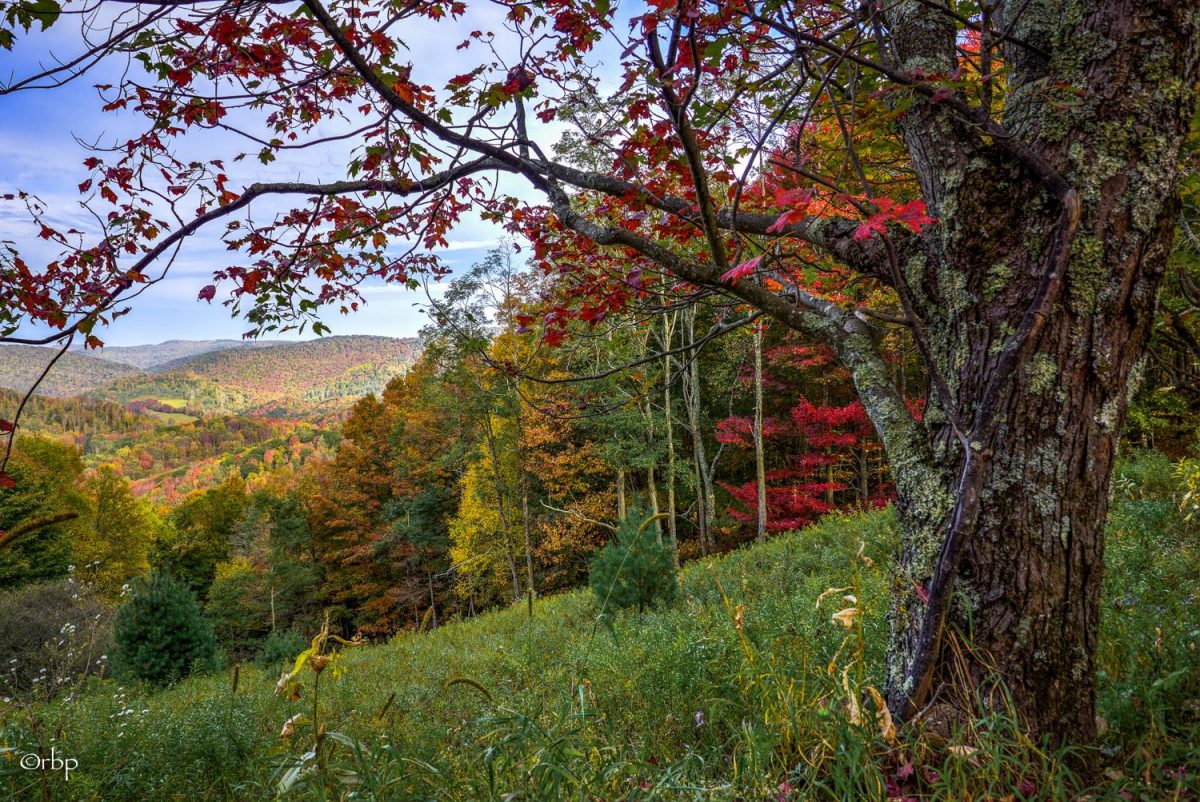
845 617
301 659
887 727
830 592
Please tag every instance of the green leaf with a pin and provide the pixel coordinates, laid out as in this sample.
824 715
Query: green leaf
45 12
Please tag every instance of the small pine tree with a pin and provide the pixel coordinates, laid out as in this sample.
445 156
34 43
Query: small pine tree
634 569
161 633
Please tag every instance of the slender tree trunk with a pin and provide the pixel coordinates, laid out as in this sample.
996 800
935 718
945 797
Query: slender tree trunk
501 507
432 598
512 568
760 460
706 503
652 492
672 530
620 493
701 507
652 468
864 477
524 474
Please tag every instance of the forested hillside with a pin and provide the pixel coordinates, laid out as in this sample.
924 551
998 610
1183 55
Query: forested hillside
304 379
21 365
169 464
90 425
151 357
804 403
188 423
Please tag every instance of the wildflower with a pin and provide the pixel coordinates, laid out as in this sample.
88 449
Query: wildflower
699 718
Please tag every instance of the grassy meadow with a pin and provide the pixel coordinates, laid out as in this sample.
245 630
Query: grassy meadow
746 689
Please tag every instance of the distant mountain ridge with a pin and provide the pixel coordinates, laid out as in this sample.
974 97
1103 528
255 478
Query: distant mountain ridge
306 379
161 356
73 374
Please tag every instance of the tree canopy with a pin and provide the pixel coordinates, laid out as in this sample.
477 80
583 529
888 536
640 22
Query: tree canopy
999 179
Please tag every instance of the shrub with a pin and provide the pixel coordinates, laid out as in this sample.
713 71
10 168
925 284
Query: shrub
53 635
634 568
161 633
281 646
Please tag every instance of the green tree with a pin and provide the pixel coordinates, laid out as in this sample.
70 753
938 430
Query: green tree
45 476
198 534
239 605
634 569
161 633
272 582
111 544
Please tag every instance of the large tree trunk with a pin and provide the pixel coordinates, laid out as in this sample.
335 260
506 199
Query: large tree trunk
1027 506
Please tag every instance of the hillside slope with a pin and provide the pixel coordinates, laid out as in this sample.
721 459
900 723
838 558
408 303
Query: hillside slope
736 692
285 380
74 373
86 423
151 356
297 366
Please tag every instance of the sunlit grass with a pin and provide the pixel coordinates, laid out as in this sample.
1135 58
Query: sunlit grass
741 691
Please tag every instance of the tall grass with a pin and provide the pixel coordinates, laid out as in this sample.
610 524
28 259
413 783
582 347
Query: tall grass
745 689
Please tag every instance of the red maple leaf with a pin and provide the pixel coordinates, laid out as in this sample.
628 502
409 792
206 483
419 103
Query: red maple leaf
738 273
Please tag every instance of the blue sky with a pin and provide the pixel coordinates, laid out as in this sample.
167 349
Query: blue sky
39 154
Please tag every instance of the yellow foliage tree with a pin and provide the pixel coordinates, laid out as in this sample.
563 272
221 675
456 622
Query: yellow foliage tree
485 536
111 545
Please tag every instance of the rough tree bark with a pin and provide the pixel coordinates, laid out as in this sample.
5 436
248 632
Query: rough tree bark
1026 498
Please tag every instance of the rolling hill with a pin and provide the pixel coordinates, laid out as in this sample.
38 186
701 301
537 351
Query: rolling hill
90 425
287 380
154 357
188 421
73 374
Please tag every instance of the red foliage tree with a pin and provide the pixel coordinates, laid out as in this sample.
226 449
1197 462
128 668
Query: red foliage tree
1047 149
825 456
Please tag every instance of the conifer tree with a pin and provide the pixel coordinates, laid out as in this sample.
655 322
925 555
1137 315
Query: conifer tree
634 568
161 633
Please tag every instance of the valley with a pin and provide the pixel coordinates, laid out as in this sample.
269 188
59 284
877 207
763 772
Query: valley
185 415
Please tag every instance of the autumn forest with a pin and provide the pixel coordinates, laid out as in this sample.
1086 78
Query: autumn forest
653 400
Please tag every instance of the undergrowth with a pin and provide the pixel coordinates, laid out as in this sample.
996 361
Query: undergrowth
746 689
